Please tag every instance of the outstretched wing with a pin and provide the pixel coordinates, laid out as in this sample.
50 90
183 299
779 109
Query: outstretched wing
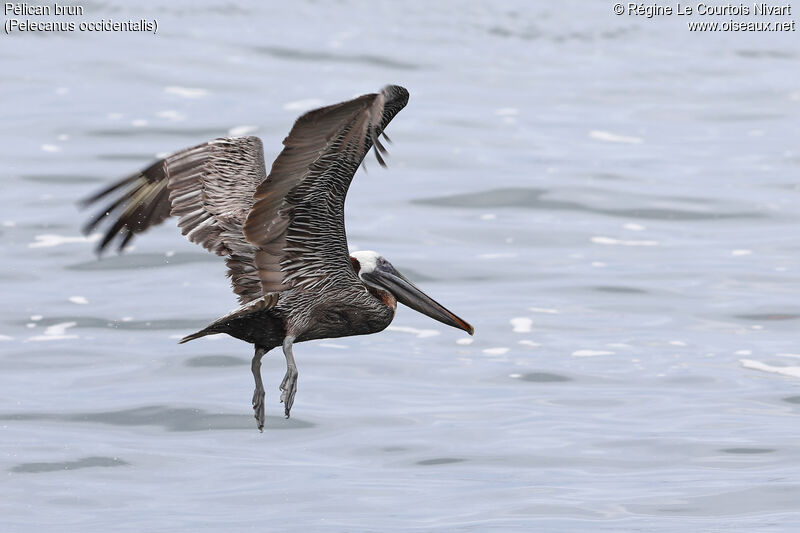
208 187
297 220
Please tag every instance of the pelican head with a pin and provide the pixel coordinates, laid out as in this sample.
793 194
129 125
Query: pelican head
376 272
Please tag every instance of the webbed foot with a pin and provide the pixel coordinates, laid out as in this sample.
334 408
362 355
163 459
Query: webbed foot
258 408
289 388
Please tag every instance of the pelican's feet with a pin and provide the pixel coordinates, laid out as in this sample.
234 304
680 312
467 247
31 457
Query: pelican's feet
289 388
258 408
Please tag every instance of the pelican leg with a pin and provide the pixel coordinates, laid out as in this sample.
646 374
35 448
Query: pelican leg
258 394
289 383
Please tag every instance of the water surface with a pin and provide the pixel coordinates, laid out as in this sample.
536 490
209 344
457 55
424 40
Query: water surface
610 201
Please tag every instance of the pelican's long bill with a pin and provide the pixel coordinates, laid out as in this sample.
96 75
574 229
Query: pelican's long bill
408 294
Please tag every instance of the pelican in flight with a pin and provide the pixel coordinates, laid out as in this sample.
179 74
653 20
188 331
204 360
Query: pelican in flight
282 233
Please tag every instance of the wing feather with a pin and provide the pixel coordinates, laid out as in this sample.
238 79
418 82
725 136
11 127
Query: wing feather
297 220
208 187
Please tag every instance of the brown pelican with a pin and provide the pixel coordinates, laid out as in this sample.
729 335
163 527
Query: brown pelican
282 233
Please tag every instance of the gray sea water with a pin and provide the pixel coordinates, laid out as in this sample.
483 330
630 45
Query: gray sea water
609 200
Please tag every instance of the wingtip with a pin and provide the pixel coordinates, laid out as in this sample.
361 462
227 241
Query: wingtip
393 92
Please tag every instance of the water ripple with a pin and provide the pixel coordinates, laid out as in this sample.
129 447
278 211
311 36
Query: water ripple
85 462
531 198
294 54
142 260
169 418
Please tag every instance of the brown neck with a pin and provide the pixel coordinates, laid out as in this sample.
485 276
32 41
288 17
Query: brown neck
386 297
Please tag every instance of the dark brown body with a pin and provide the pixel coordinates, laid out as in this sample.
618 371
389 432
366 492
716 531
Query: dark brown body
328 316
